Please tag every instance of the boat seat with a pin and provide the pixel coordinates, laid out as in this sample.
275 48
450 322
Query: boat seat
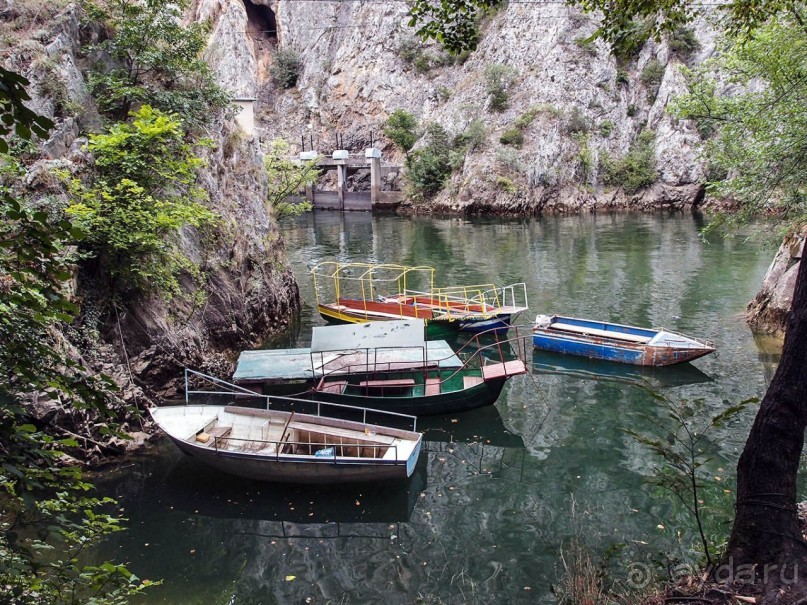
432 386
352 436
217 432
597 332
395 383
471 381
499 370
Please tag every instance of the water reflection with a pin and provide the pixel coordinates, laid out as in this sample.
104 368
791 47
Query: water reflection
482 425
546 362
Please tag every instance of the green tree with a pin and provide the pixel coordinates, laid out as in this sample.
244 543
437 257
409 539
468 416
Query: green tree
141 192
498 78
155 60
401 128
286 176
286 67
636 170
429 167
760 143
473 137
454 24
39 497
759 138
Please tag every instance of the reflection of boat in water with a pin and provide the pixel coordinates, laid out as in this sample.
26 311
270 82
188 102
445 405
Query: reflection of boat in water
200 490
545 362
483 425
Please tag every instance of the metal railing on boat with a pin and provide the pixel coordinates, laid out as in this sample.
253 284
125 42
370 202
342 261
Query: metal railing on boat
319 406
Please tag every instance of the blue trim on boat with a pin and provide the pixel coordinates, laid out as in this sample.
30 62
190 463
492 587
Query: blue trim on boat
577 346
501 324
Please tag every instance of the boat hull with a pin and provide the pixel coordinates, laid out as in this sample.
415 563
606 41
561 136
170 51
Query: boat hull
434 328
480 395
601 348
297 469
497 325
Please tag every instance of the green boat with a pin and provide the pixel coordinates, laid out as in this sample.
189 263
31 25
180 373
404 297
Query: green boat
419 388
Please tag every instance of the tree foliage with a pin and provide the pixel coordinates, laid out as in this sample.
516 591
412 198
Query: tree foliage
15 117
286 67
401 128
680 440
429 167
141 192
47 517
155 60
498 79
454 24
286 177
636 170
758 138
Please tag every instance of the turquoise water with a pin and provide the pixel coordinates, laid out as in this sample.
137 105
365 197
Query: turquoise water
498 492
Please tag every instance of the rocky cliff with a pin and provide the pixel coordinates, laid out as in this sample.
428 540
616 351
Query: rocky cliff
360 62
248 292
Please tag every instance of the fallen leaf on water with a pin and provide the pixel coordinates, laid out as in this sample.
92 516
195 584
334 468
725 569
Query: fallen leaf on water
290 578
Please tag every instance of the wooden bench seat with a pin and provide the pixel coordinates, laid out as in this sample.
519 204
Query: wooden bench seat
433 386
349 435
508 368
208 438
392 383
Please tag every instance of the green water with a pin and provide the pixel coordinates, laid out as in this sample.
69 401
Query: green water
499 491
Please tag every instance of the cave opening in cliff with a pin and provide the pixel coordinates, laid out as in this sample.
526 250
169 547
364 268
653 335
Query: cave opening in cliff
261 23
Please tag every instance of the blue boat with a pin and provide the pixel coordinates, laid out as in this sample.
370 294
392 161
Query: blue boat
615 342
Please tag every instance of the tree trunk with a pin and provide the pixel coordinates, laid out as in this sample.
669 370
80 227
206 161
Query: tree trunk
766 526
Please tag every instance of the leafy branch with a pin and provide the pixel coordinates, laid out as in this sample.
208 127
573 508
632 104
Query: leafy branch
679 442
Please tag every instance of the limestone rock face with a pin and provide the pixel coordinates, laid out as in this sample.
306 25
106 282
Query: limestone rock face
229 50
767 313
248 291
360 62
